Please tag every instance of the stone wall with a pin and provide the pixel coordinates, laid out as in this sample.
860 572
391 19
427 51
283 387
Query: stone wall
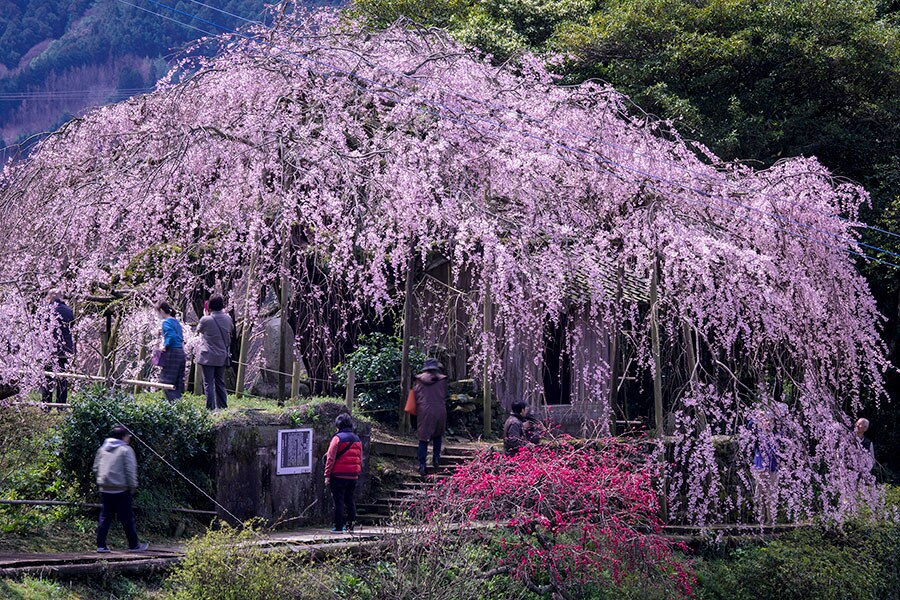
246 480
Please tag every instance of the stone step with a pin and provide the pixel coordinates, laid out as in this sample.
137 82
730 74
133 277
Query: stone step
405 450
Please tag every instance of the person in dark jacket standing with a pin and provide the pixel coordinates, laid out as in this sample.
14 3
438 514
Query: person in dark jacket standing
430 389
64 347
343 464
172 360
214 355
519 430
115 468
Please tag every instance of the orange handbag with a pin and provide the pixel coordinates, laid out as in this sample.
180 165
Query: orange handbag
411 403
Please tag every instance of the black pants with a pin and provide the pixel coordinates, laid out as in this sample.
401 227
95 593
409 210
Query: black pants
423 452
214 387
343 491
61 385
172 372
112 506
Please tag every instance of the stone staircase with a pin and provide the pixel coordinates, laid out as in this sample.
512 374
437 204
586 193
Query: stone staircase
411 486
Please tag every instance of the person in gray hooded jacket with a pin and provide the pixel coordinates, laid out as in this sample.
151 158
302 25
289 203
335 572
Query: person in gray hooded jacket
115 468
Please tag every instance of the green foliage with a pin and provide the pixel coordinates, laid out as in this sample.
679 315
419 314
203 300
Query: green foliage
29 470
181 432
30 588
376 361
859 562
756 79
108 587
232 564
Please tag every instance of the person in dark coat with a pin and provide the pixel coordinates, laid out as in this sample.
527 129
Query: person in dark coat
214 355
519 429
343 464
64 348
172 360
430 389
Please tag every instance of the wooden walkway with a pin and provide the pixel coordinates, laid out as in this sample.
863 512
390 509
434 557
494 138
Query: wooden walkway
316 542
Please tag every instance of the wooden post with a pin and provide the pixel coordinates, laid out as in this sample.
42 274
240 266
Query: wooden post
657 380
142 358
105 366
282 337
614 351
657 362
349 394
295 380
198 379
688 340
405 369
486 327
241 376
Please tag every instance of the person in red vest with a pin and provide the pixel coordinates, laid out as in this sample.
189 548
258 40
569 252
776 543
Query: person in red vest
343 464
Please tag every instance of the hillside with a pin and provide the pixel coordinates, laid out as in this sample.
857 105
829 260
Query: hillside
59 57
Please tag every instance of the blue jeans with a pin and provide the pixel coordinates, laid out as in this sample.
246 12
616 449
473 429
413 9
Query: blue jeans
112 506
423 452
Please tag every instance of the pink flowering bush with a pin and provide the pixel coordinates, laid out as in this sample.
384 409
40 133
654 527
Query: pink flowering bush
569 519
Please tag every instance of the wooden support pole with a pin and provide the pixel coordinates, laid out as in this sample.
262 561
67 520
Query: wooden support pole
487 327
351 385
241 376
405 368
296 379
105 366
133 382
657 378
189 511
142 358
657 362
283 333
614 351
198 379
687 336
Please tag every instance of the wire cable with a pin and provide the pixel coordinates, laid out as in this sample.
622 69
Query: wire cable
526 134
562 129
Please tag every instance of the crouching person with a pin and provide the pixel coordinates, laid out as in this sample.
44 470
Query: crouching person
115 467
520 429
343 464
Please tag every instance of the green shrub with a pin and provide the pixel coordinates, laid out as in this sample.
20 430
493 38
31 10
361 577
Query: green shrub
181 432
235 564
859 562
377 359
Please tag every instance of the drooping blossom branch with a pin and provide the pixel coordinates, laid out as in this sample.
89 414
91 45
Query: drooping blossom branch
322 156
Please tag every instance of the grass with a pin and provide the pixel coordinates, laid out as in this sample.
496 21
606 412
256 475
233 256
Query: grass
107 588
240 406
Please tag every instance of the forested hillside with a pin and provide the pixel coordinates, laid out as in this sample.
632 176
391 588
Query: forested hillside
58 57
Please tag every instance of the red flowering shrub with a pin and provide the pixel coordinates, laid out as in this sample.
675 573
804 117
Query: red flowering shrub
570 519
